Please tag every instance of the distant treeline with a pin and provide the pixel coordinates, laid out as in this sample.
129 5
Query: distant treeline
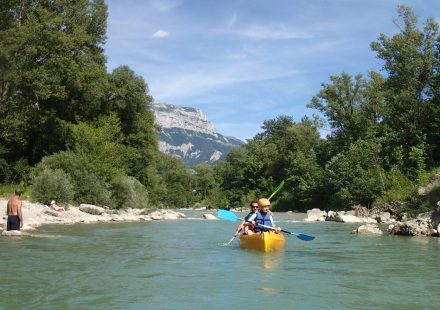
77 133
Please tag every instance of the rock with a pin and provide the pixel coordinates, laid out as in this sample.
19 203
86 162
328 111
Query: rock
435 217
383 217
15 233
360 211
51 213
91 209
347 218
315 215
412 228
331 216
368 229
209 217
165 215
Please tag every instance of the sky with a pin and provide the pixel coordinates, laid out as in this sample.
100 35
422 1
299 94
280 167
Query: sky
246 61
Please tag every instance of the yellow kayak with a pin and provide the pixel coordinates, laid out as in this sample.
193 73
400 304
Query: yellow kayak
266 241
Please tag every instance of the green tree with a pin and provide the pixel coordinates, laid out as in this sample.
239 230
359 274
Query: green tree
410 61
355 175
129 100
52 71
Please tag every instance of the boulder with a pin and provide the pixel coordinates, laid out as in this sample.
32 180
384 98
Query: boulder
331 216
435 217
316 215
51 212
165 215
347 218
412 228
91 209
383 217
16 233
208 216
360 211
368 229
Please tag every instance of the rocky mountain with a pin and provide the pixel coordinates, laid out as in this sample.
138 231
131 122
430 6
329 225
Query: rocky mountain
187 134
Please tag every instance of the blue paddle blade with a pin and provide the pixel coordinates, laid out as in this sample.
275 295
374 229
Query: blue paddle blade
303 237
227 215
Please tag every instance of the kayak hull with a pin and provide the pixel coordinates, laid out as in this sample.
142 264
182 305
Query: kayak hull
265 242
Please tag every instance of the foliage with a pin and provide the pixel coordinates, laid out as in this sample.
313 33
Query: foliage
100 144
53 71
355 175
52 184
174 188
128 192
88 187
91 138
7 190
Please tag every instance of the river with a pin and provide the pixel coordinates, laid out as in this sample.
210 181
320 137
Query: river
185 264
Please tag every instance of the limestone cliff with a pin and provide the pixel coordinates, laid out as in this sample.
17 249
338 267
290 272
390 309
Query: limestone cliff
187 134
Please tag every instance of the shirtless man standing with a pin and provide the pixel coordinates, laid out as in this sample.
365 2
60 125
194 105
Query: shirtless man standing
13 210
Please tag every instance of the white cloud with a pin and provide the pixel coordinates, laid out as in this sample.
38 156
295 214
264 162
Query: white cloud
276 32
161 34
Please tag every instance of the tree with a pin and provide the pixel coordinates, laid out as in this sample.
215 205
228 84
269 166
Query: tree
52 72
128 98
355 175
410 61
346 105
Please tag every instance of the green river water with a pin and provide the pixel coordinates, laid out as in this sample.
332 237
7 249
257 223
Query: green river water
184 264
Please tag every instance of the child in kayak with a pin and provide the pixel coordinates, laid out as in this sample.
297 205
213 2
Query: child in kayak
264 217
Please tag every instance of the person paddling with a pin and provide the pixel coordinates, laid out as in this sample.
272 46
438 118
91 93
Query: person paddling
264 217
13 211
247 225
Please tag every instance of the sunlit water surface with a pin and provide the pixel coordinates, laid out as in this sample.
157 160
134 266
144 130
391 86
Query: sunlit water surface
185 264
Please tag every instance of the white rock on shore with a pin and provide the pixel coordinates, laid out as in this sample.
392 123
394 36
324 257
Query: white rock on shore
35 215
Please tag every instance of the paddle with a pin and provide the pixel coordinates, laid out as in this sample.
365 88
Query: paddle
230 240
277 189
229 216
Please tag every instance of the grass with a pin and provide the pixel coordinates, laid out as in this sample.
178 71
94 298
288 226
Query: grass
7 190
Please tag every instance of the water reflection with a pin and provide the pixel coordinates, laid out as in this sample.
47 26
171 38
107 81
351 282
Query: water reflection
272 260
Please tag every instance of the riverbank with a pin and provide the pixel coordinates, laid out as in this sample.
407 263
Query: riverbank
35 215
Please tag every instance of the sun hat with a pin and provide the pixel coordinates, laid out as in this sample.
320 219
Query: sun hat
52 202
263 202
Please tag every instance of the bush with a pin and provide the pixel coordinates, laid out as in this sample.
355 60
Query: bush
399 188
128 192
87 186
52 184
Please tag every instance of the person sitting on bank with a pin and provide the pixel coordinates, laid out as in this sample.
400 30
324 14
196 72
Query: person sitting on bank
54 206
247 225
13 211
264 217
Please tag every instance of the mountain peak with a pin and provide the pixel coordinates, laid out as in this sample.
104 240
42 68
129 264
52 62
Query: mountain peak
187 134
171 116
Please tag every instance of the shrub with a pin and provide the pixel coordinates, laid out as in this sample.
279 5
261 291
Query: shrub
52 184
88 187
128 192
399 188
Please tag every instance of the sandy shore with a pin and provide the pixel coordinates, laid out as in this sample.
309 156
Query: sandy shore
35 215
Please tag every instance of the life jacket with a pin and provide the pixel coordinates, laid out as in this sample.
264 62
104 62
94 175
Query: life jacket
262 220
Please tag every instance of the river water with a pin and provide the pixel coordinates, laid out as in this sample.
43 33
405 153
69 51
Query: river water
185 264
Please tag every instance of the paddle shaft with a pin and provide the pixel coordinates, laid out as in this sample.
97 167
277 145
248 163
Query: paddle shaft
277 189
231 240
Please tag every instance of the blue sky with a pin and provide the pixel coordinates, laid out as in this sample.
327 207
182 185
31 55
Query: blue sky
243 62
